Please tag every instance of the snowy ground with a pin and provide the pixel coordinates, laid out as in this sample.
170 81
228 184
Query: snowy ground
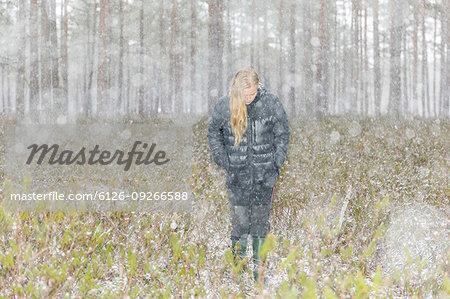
361 210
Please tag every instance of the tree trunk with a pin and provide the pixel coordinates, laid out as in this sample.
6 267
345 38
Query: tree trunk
322 62
415 58
376 61
46 92
405 97
281 55
252 43
20 78
445 60
121 50
360 83
63 103
101 76
141 61
163 103
110 64
354 59
366 68
87 63
335 64
265 74
308 75
425 88
34 62
258 38
292 81
92 45
2 93
215 42
229 45
220 40
127 56
54 45
8 88
435 98
193 56
175 62
395 51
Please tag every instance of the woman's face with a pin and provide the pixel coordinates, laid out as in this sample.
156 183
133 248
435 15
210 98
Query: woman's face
250 94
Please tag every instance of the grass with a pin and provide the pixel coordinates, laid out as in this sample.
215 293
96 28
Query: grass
341 183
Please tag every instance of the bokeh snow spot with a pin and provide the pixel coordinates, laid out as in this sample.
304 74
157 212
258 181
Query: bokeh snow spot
213 93
354 129
126 134
435 130
19 148
410 133
417 233
334 137
315 42
61 120
424 172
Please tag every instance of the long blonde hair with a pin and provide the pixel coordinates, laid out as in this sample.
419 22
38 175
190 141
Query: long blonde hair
245 78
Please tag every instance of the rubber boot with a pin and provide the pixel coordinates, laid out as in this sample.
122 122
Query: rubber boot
257 245
238 248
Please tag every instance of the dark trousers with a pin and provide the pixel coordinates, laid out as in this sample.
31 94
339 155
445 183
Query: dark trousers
252 219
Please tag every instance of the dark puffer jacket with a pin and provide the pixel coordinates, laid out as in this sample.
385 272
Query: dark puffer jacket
253 166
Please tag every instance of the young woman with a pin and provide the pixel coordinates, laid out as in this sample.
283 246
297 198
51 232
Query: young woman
249 137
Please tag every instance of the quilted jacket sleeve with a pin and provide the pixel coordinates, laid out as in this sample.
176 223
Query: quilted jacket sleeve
216 138
281 132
